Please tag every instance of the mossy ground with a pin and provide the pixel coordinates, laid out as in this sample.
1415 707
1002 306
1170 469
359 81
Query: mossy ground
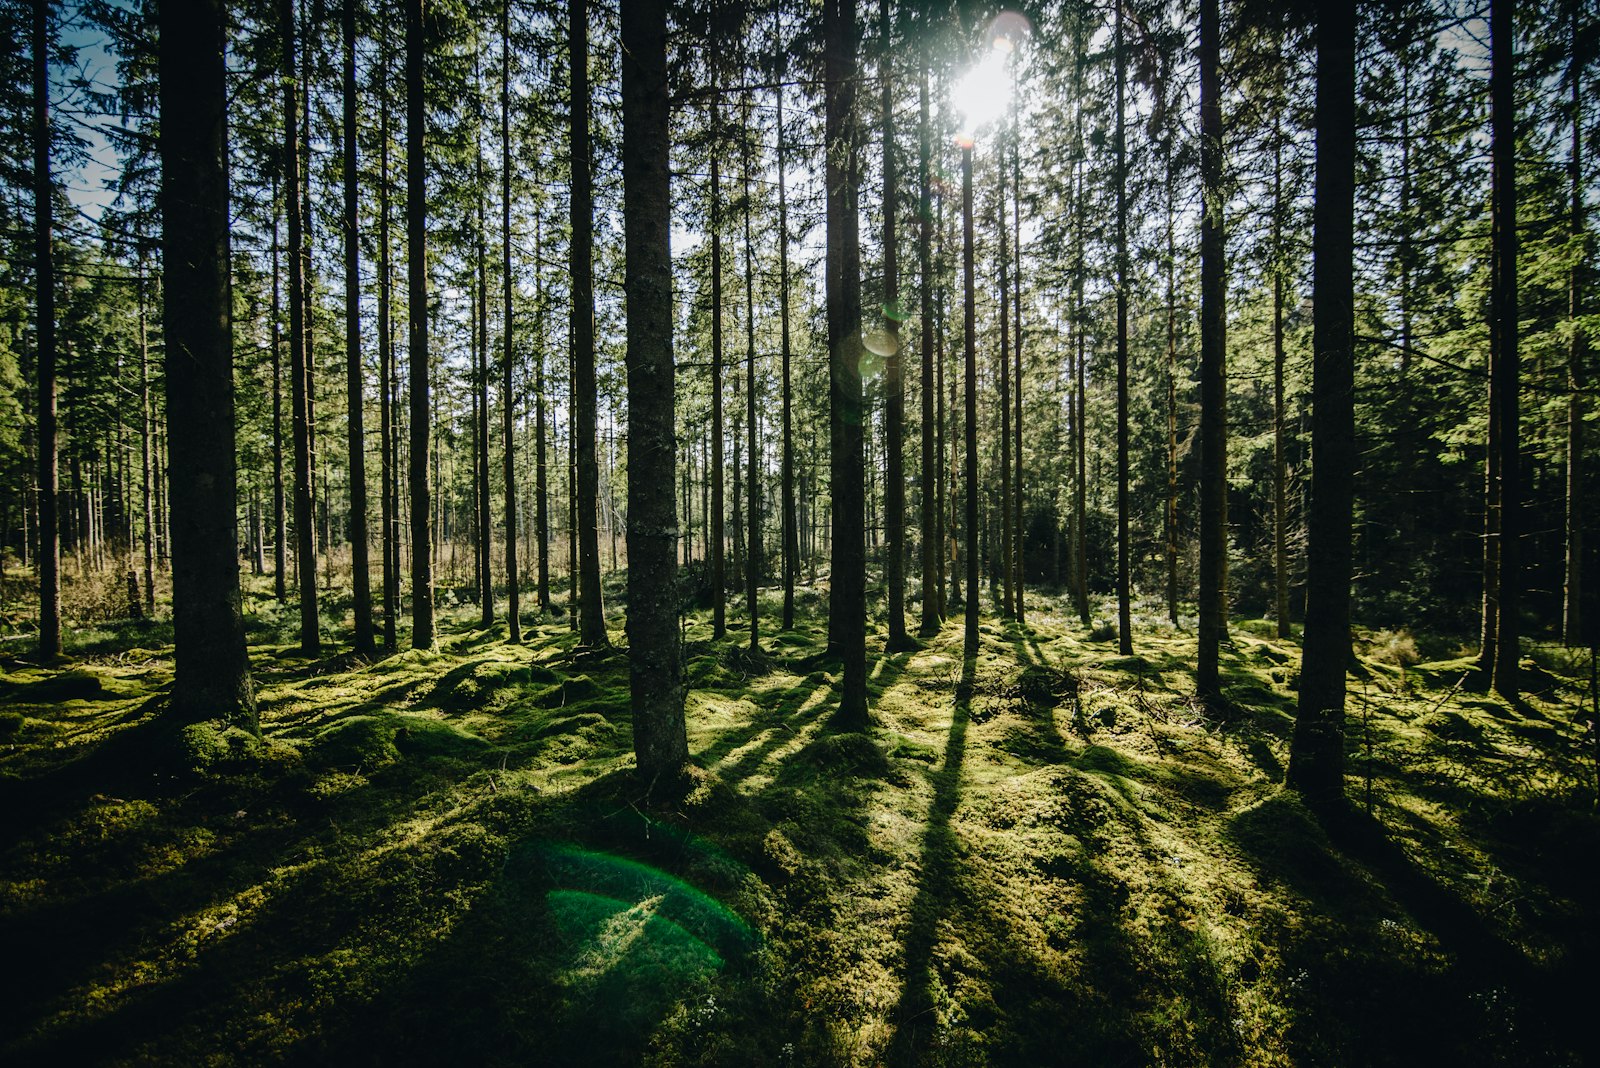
1048 855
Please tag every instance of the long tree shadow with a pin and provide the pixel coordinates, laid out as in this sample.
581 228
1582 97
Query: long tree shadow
914 1015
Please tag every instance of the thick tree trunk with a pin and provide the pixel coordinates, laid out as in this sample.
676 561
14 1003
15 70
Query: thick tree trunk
1280 476
212 668
146 432
591 620
656 671
49 556
361 581
1017 496
1170 519
848 606
485 513
1213 309
280 518
1503 340
541 470
1316 756
894 482
507 393
422 633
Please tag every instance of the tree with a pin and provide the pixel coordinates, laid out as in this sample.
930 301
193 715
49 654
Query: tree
791 532
422 636
1213 312
45 325
719 589
591 617
299 334
1503 341
847 610
507 279
212 677
932 535
361 581
1316 755
656 670
1577 351
1120 147
894 489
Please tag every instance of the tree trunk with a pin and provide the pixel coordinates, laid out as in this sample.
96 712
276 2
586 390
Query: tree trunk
507 394
388 415
280 518
541 471
753 480
932 535
1003 389
212 668
848 605
1316 755
1213 308
1577 355
894 481
485 513
1016 352
146 433
1503 339
422 633
49 556
1124 576
969 332
719 593
591 620
1170 520
299 354
791 535
1280 476
361 580
656 671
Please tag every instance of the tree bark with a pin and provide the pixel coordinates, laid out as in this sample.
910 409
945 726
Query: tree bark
894 481
969 331
1503 340
591 619
1003 388
1316 755
1577 356
507 394
1124 575
485 512
753 479
791 535
1017 496
932 534
212 668
1213 308
299 354
719 577
388 415
848 607
49 556
422 632
361 581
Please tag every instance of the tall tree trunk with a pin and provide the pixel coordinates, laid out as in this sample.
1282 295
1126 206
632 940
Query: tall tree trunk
1016 351
969 333
848 604
280 518
894 481
299 355
1124 570
49 557
146 432
1080 551
212 668
591 620
1213 308
655 668
1280 476
719 593
932 535
1577 355
1170 520
1503 339
753 480
388 415
485 531
422 634
361 580
541 472
791 535
507 393
1003 387
1316 755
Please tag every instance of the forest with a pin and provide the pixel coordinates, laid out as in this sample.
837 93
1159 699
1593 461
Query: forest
797 532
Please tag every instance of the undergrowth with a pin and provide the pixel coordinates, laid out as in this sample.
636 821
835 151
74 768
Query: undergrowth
1050 854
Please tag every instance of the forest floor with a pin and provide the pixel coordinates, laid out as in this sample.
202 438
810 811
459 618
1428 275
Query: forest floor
1050 856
